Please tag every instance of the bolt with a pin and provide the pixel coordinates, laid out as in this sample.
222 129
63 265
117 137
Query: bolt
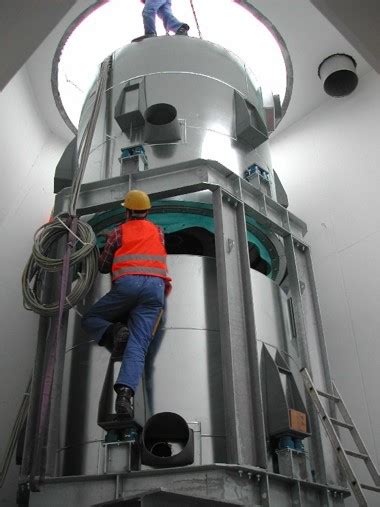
249 475
258 477
241 473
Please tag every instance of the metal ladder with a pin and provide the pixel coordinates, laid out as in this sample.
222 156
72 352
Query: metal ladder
342 454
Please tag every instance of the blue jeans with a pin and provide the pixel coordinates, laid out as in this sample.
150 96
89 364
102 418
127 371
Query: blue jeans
139 301
163 9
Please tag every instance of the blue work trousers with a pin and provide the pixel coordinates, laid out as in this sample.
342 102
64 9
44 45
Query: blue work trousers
163 9
139 300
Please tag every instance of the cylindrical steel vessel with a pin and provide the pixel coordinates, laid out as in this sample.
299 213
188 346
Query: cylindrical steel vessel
218 103
183 368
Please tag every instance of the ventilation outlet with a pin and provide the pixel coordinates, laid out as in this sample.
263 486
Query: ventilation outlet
338 75
130 106
167 441
250 126
161 124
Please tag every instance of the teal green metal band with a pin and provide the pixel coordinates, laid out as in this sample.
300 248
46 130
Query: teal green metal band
175 216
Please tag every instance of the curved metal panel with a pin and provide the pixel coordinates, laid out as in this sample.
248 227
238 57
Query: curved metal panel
143 76
183 366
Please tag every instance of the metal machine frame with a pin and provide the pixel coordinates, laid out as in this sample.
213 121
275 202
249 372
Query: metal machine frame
232 199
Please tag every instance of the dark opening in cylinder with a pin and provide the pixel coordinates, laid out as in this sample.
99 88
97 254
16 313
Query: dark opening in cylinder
160 114
161 449
338 74
167 441
161 124
341 83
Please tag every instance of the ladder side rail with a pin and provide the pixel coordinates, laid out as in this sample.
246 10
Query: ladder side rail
357 438
353 480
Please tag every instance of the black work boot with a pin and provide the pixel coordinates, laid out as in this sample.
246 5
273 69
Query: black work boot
124 402
183 29
120 339
146 36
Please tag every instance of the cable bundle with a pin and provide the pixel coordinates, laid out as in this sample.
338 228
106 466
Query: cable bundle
46 240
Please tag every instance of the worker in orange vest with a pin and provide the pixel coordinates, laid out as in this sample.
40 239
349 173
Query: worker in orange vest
135 254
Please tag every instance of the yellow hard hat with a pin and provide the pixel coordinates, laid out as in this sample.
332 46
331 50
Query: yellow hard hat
136 200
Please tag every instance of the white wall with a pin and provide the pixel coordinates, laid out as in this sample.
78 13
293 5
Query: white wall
329 163
29 153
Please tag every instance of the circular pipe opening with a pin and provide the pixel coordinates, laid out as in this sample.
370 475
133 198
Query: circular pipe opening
161 449
341 83
160 114
338 74
165 434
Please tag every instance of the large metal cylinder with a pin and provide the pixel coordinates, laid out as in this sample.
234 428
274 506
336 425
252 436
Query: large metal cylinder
183 368
214 95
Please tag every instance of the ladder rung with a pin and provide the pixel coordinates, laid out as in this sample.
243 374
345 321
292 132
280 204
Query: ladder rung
341 423
328 395
356 454
370 487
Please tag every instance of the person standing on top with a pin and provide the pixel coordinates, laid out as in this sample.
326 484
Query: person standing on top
135 254
162 9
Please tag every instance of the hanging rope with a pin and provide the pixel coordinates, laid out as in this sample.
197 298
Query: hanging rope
196 19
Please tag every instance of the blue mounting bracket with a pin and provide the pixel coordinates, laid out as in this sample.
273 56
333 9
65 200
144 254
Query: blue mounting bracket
132 152
136 154
255 169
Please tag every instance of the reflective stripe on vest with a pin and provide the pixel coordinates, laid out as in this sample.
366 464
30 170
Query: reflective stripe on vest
139 257
135 270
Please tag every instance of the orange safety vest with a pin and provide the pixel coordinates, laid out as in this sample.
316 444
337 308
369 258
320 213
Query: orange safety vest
141 251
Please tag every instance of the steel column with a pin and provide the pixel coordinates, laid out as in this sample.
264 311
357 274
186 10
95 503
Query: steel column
237 330
294 285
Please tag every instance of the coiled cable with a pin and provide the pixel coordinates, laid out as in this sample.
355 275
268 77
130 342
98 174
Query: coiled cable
84 260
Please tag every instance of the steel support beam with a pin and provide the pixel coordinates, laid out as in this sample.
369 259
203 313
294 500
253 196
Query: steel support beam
245 485
299 318
242 399
181 179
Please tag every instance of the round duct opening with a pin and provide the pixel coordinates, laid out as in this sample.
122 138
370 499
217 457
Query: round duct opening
161 124
338 74
160 114
161 449
167 441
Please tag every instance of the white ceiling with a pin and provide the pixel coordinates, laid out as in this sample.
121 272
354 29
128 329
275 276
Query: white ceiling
309 37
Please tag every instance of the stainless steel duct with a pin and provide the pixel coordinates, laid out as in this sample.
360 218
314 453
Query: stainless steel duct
161 124
338 74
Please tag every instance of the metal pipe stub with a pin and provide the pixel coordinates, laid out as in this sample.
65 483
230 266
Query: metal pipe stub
167 441
338 74
161 124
